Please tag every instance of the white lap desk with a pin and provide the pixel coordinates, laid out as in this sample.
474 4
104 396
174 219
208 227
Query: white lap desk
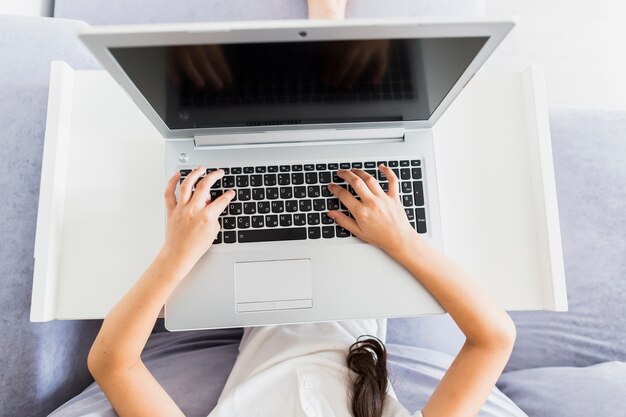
101 214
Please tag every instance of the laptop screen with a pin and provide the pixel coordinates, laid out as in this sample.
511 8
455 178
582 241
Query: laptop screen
287 83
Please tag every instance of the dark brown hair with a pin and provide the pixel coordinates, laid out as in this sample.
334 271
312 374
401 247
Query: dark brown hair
367 357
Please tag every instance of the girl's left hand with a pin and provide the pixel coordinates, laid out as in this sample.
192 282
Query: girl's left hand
192 220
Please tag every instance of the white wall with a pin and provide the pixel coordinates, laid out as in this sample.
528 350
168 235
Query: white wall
581 43
27 7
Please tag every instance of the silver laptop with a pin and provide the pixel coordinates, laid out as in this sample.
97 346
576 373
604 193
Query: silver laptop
280 106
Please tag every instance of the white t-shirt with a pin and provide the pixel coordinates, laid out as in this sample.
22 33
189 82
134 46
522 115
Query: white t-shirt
298 370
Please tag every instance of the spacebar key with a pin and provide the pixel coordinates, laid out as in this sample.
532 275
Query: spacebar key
271 235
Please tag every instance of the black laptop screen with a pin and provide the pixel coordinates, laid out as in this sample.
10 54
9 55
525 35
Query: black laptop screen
260 84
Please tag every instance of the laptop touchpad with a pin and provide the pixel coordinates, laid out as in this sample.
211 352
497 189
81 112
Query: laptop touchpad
273 285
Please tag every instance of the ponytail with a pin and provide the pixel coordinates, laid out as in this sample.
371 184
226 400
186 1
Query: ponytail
367 357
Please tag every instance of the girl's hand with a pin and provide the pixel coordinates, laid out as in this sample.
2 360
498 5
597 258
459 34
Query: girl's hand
327 9
192 223
379 216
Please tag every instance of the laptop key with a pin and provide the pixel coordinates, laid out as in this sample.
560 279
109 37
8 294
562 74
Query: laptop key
248 170
320 167
263 207
259 170
272 168
319 204
285 220
406 187
305 205
341 232
258 194
271 220
407 200
291 206
271 193
230 237
236 170
296 168
309 167
313 191
297 178
410 215
185 172
311 178
285 168
314 232
228 181
249 208
243 194
299 219
257 221
265 235
404 163
420 215
229 223
242 181
243 222
325 177
284 179
328 232
256 180
269 180
405 174
371 164
286 193
393 164
332 204
333 167
418 193
344 165
313 219
218 238
326 219
234 209
299 192
416 173
278 206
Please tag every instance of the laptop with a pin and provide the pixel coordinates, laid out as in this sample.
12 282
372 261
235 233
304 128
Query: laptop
280 106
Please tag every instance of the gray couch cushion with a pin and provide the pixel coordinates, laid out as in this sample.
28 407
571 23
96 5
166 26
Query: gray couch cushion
598 390
41 364
99 12
193 367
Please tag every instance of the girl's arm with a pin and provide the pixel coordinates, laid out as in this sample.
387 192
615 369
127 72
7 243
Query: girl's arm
379 218
115 357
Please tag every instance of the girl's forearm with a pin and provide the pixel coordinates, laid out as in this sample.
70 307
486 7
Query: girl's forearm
479 317
128 325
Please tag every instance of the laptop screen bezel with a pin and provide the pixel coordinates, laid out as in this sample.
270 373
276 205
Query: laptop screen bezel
100 39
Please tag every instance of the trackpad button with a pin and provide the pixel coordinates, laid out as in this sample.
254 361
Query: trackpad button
273 285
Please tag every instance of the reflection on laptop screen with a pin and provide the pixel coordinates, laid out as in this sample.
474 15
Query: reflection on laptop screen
256 84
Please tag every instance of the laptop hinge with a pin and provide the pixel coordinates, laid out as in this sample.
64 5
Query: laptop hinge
298 137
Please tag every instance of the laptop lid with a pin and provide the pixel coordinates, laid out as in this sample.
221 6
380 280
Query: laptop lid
211 78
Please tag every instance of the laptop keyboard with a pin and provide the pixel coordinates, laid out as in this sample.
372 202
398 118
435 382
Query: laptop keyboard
290 202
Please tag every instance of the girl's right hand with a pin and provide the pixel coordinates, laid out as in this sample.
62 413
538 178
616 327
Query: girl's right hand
379 216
